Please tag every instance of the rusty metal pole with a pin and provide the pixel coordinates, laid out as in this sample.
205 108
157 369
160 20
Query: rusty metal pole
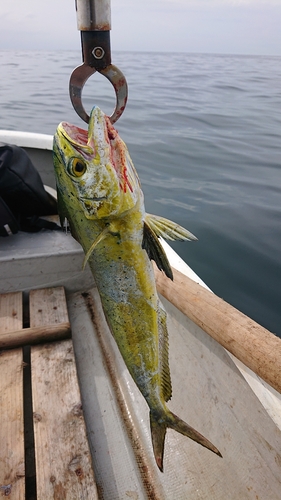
94 23
93 15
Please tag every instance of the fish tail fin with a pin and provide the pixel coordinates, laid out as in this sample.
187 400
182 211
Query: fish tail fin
158 432
158 427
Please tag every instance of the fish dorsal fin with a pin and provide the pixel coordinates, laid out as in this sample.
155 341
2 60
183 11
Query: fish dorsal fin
164 370
155 251
168 229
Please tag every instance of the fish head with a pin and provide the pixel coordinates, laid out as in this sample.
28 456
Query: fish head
96 167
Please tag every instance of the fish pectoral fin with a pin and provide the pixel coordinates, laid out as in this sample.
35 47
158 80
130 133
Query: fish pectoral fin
100 237
155 251
159 422
168 229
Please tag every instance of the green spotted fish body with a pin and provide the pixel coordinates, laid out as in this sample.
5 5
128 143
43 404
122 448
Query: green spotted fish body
99 193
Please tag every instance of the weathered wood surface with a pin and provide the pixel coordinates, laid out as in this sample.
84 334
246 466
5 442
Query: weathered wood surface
12 480
63 461
252 344
35 335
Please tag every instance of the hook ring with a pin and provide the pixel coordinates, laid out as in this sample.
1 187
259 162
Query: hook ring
78 79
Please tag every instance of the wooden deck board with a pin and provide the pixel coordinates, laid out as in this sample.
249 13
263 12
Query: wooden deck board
63 461
12 480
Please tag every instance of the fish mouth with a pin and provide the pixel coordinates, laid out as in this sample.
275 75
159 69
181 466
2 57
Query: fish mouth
75 135
100 136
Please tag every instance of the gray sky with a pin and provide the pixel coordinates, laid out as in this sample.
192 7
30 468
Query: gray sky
214 26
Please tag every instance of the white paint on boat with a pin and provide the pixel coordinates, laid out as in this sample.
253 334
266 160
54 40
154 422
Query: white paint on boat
27 139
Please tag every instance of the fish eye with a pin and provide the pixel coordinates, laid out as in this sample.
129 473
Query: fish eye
77 167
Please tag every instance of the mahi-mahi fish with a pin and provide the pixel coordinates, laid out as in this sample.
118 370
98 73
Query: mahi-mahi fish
99 193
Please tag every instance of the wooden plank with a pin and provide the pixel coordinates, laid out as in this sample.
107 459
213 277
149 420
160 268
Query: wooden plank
63 461
35 335
248 341
12 480
48 306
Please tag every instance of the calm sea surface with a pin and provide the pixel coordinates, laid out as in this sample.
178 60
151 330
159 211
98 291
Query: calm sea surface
204 132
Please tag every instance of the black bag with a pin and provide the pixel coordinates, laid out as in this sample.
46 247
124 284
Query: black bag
22 195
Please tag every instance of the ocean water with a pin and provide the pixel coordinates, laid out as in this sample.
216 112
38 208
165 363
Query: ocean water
204 132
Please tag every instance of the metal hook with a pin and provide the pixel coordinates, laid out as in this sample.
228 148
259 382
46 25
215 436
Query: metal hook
94 23
78 79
